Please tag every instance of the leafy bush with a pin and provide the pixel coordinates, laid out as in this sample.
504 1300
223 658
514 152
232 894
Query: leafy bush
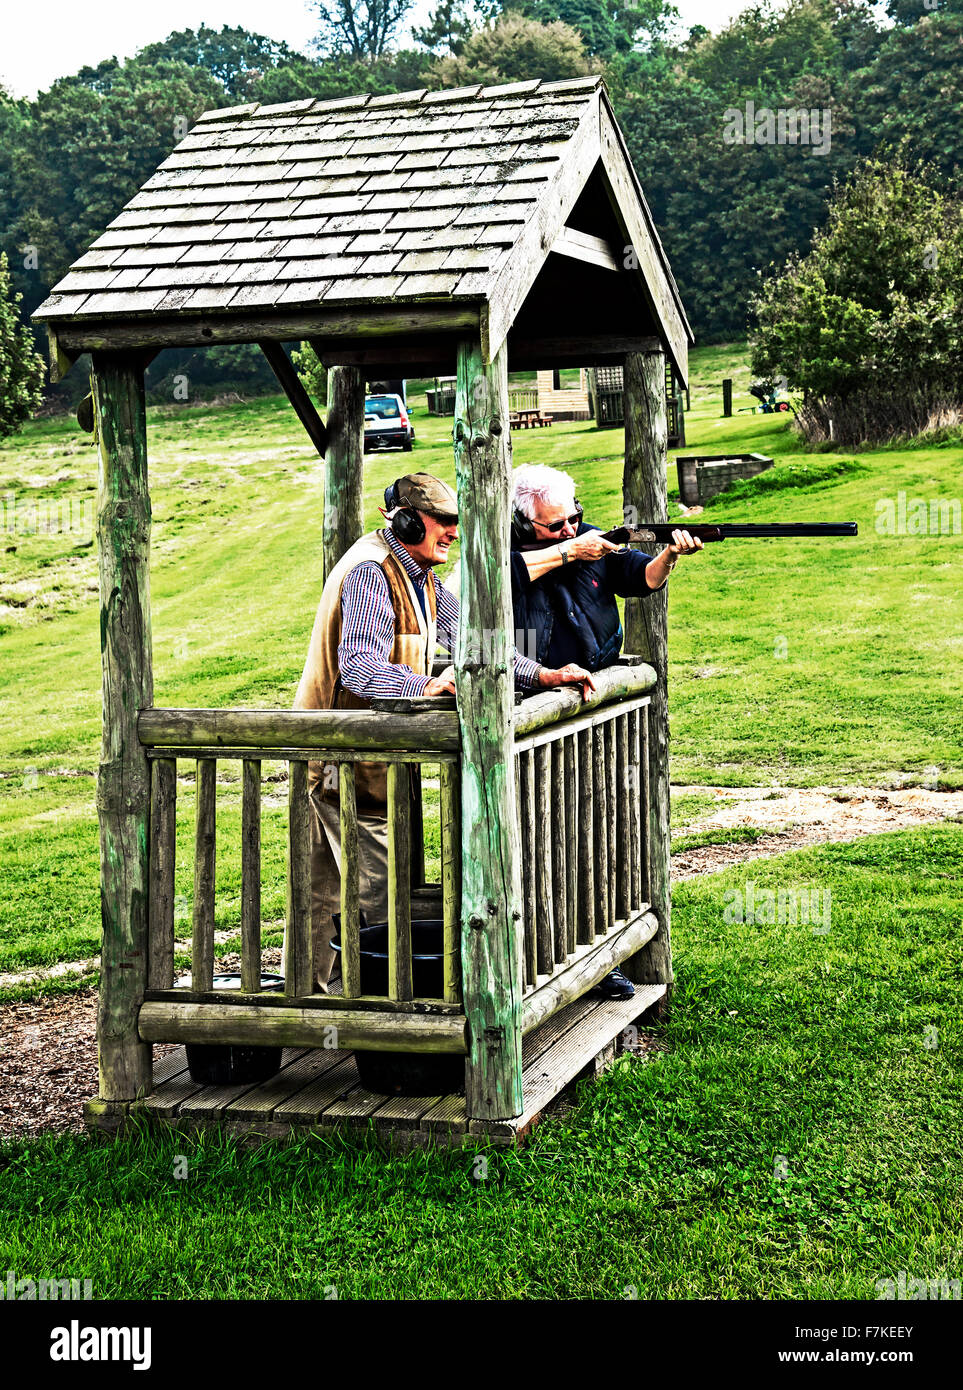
21 369
869 325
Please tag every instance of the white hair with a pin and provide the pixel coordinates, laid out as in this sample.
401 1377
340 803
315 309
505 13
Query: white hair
537 482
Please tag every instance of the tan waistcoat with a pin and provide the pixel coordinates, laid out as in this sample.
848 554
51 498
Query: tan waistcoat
321 686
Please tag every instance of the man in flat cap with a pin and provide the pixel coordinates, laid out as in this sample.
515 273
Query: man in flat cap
382 613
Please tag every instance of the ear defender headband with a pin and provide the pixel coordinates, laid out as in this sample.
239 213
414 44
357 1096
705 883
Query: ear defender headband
523 528
406 524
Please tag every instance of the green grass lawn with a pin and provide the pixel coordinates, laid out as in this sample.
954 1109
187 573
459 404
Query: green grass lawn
794 663
793 1139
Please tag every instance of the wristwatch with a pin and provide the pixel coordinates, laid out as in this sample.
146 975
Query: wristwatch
564 555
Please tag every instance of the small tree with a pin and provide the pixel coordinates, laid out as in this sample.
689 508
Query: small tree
21 368
515 49
869 325
360 28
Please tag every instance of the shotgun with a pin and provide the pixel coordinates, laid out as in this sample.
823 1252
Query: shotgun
661 532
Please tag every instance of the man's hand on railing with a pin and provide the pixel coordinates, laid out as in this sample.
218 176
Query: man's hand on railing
442 684
566 675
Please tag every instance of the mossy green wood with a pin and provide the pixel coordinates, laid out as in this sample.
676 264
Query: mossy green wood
123 784
343 464
491 885
646 634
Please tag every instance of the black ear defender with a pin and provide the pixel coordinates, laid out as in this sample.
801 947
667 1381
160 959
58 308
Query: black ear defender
406 524
523 529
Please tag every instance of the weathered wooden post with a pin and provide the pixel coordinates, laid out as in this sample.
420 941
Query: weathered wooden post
123 784
343 464
491 883
646 631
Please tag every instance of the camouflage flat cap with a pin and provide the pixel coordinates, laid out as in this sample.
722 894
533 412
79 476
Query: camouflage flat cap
426 494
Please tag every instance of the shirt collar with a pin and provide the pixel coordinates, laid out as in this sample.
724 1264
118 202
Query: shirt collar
414 571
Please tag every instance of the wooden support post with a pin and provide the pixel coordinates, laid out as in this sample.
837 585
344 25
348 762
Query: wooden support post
646 634
491 884
726 397
123 785
304 407
343 466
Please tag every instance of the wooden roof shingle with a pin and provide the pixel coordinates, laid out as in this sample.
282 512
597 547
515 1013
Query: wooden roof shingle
314 204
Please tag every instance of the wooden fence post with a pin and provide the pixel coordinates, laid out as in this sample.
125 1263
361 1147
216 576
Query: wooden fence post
491 883
343 464
123 784
646 632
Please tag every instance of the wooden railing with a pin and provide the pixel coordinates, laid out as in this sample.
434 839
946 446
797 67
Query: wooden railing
522 398
582 816
208 737
583 790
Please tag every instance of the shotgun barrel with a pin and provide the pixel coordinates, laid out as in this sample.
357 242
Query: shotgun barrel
661 531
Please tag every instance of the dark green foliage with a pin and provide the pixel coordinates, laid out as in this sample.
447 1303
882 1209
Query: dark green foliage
21 369
868 325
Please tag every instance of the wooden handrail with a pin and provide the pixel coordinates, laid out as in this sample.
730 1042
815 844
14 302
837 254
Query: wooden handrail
612 683
436 730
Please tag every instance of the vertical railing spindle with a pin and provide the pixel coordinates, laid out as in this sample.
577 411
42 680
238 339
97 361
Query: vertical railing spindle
586 837
527 813
350 883
544 906
251 875
555 808
450 799
299 956
399 886
202 946
623 797
611 801
635 822
163 833
601 831
570 782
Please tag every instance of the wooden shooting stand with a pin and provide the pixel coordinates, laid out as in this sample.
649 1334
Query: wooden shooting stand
499 246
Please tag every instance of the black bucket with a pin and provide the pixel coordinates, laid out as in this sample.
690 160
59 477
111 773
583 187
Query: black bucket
227 1064
405 1073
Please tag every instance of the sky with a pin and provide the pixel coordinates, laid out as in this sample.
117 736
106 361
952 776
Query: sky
60 36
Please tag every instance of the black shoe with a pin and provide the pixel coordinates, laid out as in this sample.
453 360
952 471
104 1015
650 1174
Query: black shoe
615 986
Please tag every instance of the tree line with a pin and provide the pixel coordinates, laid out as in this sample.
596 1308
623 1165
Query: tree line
740 137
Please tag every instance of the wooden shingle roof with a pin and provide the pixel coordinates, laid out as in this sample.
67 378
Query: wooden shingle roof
417 196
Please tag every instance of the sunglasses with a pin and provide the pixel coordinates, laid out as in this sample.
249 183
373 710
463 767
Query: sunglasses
566 520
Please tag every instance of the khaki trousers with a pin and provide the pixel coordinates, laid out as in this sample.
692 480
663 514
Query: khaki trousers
326 875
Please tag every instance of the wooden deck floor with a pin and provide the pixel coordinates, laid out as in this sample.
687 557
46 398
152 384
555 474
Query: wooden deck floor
318 1090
